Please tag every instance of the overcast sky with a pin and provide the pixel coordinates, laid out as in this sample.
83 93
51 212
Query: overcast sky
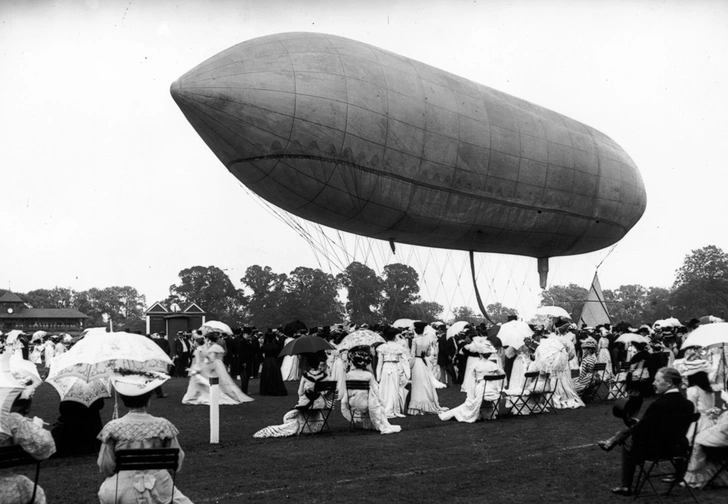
105 183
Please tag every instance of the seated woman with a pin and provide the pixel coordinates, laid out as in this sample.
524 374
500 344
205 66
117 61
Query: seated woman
470 410
365 405
588 360
308 406
18 429
702 465
208 363
137 429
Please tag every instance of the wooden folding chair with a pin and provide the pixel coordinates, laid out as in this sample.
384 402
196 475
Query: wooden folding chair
620 386
327 389
356 415
519 401
675 475
145 459
494 403
591 391
15 456
546 391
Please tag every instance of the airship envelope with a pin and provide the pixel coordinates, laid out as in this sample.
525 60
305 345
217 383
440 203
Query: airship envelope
366 141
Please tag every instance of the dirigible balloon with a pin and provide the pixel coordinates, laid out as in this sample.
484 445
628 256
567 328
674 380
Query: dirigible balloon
363 140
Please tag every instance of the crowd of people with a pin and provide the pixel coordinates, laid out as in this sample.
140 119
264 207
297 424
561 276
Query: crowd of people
402 369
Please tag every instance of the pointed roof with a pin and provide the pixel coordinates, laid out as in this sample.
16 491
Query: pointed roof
157 308
193 308
595 309
9 297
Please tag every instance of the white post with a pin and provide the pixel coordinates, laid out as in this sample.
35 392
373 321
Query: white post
214 410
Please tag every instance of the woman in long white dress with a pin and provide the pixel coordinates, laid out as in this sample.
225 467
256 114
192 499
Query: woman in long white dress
468 376
603 356
391 362
423 395
207 362
470 410
552 356
305 417
365 405
519 369
290 367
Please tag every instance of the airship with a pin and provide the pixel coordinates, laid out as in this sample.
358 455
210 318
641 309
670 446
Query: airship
363 140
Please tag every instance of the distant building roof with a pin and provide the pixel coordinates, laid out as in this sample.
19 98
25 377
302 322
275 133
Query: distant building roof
9 297
55 313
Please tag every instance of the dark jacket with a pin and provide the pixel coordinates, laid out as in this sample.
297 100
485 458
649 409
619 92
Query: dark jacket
658 432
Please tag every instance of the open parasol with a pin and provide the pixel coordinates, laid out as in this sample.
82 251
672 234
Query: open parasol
456 328
98 354
708 335
306 344
631 338
360 337
216 326
552 311
404 323
514 333
72 388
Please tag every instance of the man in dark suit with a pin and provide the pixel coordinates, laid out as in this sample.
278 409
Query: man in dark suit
658 433
182 351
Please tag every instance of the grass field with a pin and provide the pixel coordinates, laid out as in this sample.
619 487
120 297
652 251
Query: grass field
548 458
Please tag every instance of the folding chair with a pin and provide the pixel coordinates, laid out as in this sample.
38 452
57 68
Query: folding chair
15 456
327 389
719 454
545 389
619 387
494 403
591 391
519 402
357 415
673 432
146 459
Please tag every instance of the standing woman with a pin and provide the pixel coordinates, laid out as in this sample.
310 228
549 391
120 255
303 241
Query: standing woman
137 429
271 380
423 398
603 355
552 356
390 370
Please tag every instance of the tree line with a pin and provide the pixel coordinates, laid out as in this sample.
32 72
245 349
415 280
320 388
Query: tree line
270 299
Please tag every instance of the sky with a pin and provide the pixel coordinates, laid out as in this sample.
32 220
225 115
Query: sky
105 183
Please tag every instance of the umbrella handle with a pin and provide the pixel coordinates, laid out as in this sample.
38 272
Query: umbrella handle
115 414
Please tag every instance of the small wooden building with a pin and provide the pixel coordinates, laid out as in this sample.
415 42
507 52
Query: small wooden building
14 314
172 320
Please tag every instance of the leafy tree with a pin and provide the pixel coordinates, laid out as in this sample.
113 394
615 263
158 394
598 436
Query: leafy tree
401 290
569 297
58 297
627 303
701 284
659 305
311 296
211 289
499 313
124 306
467 314
268 296
427 311
364 292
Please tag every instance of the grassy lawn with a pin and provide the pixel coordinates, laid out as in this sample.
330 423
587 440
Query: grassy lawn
548 458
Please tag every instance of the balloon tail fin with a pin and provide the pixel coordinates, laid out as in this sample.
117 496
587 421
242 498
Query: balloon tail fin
477 292
543 271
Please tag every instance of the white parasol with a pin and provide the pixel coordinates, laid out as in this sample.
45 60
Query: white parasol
708 335
72 388
456 328
404 323
38 336
631 338
96 355
668 322
513 333
360 337
215 326
552 311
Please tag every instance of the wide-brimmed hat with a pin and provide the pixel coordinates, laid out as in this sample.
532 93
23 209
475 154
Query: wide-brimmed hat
690 367
135 383
589 343
481 346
